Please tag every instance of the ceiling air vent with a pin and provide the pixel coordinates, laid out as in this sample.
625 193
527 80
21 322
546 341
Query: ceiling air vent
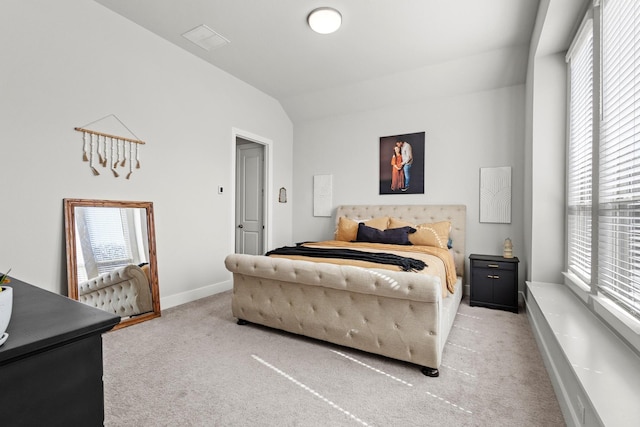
205 37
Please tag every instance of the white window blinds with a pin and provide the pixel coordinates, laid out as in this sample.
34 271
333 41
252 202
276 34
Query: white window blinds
579 174
104 238
619 155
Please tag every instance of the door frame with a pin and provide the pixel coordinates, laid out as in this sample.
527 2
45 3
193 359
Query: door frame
268 184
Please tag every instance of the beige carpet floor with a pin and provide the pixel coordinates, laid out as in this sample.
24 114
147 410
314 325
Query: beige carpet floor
195 367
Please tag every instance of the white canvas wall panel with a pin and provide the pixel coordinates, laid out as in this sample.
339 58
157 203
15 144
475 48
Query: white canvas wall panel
322 195
495 195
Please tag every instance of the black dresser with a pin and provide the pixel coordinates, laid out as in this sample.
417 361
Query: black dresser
494 282
51 364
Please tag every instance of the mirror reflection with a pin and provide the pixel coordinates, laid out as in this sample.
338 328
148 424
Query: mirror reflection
111 261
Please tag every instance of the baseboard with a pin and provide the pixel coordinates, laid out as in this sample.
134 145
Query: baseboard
188 296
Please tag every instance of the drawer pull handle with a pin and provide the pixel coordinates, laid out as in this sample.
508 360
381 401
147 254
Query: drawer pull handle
493 277
493 266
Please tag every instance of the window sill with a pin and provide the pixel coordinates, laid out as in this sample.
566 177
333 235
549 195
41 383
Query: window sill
623 324
578 287
585 359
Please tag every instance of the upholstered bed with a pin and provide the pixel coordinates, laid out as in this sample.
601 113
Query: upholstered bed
124 291
405 315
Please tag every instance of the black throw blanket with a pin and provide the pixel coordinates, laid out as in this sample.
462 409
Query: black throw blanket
407 264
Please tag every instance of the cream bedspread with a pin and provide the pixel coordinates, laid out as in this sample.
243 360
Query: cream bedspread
439 261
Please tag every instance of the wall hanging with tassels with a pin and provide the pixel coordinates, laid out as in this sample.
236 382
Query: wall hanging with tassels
108 150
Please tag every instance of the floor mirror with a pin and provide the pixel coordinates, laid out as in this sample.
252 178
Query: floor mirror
111 257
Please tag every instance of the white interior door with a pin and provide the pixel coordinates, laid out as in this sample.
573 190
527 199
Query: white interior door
249 197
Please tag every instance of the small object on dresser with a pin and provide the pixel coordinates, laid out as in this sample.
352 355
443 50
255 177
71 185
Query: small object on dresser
6 306
508 248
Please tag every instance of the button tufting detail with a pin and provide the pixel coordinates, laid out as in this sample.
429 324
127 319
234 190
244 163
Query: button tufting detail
327 302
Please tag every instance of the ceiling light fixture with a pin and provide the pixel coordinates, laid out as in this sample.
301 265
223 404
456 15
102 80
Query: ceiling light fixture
324 20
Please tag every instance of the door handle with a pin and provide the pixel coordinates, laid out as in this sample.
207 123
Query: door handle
241 226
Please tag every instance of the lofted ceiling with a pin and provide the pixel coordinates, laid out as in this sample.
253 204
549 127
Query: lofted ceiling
386 50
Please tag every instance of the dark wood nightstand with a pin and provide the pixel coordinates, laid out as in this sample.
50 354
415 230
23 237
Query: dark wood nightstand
494 282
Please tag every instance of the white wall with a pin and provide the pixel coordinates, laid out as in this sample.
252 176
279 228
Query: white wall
70 62
545 139
463 133
548 170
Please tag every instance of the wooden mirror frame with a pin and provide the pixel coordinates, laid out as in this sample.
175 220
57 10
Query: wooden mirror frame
70 232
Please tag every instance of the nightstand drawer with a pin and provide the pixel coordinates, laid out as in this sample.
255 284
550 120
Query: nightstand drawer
493 264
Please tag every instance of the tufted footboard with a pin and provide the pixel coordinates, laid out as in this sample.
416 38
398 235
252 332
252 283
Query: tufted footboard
124 291
394 314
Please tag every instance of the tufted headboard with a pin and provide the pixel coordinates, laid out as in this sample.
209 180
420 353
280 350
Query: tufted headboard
418 214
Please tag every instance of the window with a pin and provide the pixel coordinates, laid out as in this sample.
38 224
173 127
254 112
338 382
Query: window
603 179
619 183
103 237
580 171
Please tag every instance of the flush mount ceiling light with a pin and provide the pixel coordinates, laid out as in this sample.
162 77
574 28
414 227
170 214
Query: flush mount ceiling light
324 20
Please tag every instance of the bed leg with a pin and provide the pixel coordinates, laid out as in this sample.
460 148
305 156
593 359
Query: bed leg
430 372
242 322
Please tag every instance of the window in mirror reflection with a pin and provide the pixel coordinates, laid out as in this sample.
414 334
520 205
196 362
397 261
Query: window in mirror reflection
109 238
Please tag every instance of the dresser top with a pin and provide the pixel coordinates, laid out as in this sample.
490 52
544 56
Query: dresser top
41 319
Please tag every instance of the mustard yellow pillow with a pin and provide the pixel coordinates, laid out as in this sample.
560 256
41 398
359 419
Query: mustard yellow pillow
427 234
347 230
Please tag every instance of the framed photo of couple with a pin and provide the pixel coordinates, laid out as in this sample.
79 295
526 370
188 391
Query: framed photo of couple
402 164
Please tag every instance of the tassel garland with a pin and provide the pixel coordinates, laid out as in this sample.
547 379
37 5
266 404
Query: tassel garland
93 169
111 150
85 147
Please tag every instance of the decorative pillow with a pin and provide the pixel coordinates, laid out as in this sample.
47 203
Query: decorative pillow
427 234
394 236
145 267
347 230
